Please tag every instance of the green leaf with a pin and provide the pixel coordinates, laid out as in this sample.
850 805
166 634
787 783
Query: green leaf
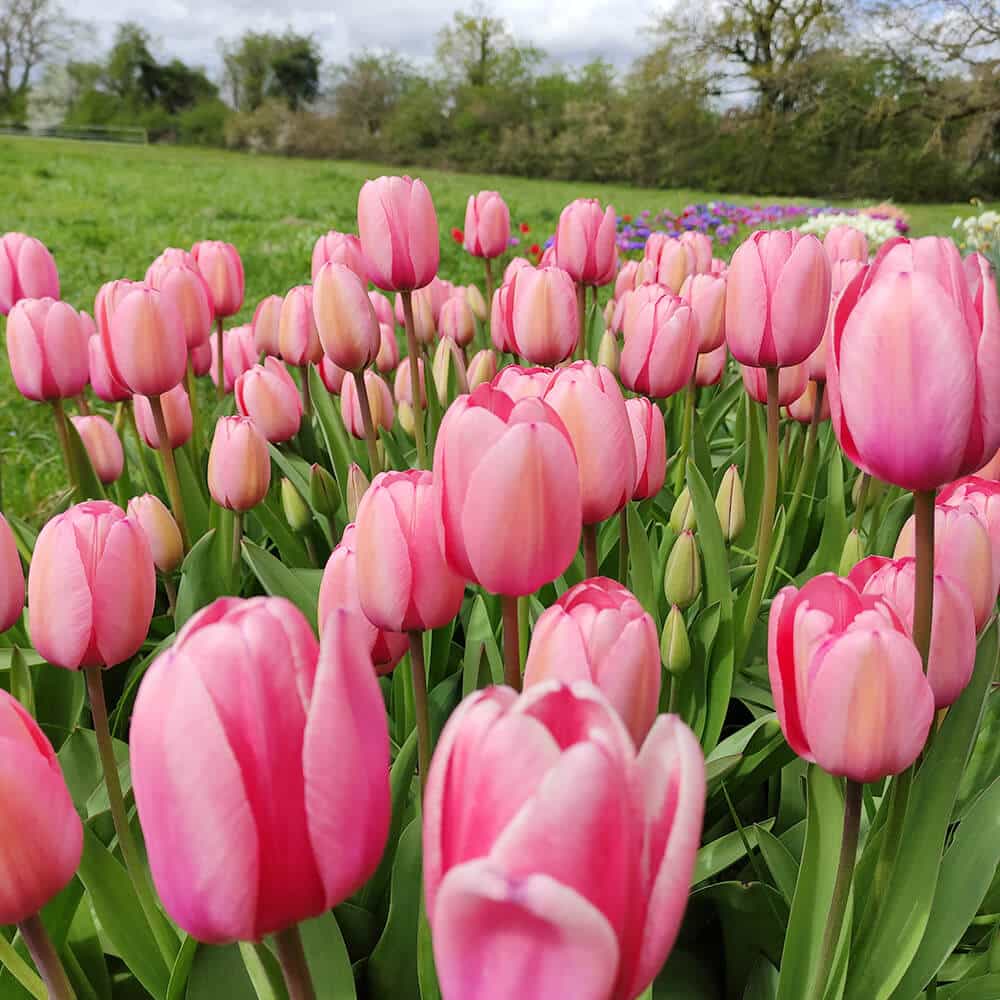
263 970
980 988
218 971
182 969
59 700
835 524
90 485
193 495
201 582
430 989
727 850
21 686
335 437
780 862
479 639
290 546
327 956
644 586
300 586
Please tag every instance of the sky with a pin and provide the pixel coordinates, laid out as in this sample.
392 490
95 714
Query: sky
571 32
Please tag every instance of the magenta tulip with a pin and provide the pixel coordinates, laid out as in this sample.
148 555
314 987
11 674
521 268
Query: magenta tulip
239 464
103 446
27 271
340 248
487 225
586 245
48 349
649 439
661 350
222 269
11 578
176 415
269 396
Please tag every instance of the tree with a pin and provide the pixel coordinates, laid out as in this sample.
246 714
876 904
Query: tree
295 66
261 64
31 32
367 89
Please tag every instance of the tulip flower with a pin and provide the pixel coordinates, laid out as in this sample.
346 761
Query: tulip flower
542 320
399 233
345 318
668 261
104 384
48 349
12 586
239 355
476 302
792 381
628 307
846 243
27 271
457 322
487 225
803 408
661 350
777 298
848 682
103 446
90 587
701 247
500 317
585 244
730 504
598 632
246 838
160 529
265 325
448 369
222 269
339 590
520 383
383 308
239 465
515 265
706 295
269 396
340 248
841 273
298 336
108 298
176 416
200 359
682 516
650 443
482 368
357 487
387 359
187 289
379 402
710 367
983 495
332 375
174 257
557 859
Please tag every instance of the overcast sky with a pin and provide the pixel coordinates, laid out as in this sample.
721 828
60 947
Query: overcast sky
572 31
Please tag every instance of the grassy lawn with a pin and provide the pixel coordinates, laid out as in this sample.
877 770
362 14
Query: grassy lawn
106 211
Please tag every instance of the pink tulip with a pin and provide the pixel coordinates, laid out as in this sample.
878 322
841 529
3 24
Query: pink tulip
661 350
846 243
108 298
631 304
841 273
487 225
27 271
200 359
520 383
801 409
592 409
239 465
331 374
399 233
626 279
557 859
777 298
345 318
457 322
792 381
401 388
269 396
512 463
649 439
12 576
187 289
448 369
222 269
266 326
701 248
424 328
482 368
174 257
598 632
991 470
41 837
176 415
404 583
298 337
383 308
586 242
438 292
501 316
104 384
239 354
91 587
339 590
145 344
706 295
387 359
668 261
247 836
543 319
953 629
47 346
719 267
983 495
710 367
160 529
103 446
848 682
340 248
379 402
515 265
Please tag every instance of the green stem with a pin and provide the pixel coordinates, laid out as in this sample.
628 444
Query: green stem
36 937
623 545
859 511
62 430
116 802
511 643
590 550
687 427
419 672
842 885
413 351
20 970
581 307
523 631
220 362
364 404
307 401
170 589
488 267
294 967
173 483
237 549
807 454
82 405
192 390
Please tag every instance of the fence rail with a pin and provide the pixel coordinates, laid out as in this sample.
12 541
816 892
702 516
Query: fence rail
90 133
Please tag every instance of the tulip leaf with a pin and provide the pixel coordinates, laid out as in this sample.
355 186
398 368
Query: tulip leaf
192 495
980 988
21 686
752 419
84 959
430 989
264 970
726 851
218 971
59 700
202 580
394 445
335 437
89 486
700 452
290 546
300 586
644 586
296 470
717 410
780 861
479 641
182 969
327 957
835 524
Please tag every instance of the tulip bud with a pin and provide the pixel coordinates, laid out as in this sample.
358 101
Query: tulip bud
265 326
853 552
457 321
875 489
379 402
448 363
341 248
176 415
476 302
295 509
729 504
585 242
324 494
345 318
222 269
146 345
357 486
269 396
482 368
47 346
487 225
239 466
332 375
298 337
682 579
675 647
682 515
12 574
160 529
27 271
387 358
103 446
607 353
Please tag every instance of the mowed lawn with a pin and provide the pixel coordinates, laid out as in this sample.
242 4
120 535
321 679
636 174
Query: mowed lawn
107 210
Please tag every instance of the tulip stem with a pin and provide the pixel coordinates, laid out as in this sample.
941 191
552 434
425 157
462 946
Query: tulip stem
237 549
590 550
623 545
62 430
842 885
170 469
859 510
116 803
488 267
82 405
220 363
765 528
581 308
413 351
511 643
192 391
294 967
419 672
36 937
923 599
170 589
808 453
687 428
366 419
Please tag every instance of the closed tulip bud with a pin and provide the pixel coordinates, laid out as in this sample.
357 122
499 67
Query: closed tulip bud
846 242
983 496
557 856
852 553
598 632
47 346
682 513
222 269
487 225
324 494
476 302
103 446
668 262
42 835
661 349
875 490
803 408
239 354
109 297
27 271
423 318
609 314
176 415
701 247
345 318
626 278
482 368
331 375
399 233
682 578
339 590
848 682
200 359
457 321
706 295
404 583
520 383
501 316
160 529
174 257
187 289
675 647
382 307
792 382
266 326
91 587
239 465
402 390
339 248
104 384
650 442
404 413
295 509
310 835
438 292
729 504
357 486
387 359
586 242
631 304
379 402
777 298
298 337
12 575
544 323
608 353
515 265
449 367
710 367
269 396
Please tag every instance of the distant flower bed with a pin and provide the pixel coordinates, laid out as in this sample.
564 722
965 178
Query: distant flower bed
876 229
980 233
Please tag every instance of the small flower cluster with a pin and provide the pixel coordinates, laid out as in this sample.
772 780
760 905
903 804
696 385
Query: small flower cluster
877 230
980 233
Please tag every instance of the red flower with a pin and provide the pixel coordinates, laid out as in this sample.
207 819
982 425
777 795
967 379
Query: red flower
457 235
536 250
626 218
524 227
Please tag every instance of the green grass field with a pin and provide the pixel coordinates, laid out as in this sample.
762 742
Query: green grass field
106 211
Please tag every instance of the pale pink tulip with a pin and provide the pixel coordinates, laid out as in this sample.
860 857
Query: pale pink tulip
266 326
792 381
160 529
11 578
661 349
222 269
269 396
585 244
187 289
176 415
48 349
379 402
298 337
345 318
650 442
103 446
239 464
340 248
487 225
27 271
